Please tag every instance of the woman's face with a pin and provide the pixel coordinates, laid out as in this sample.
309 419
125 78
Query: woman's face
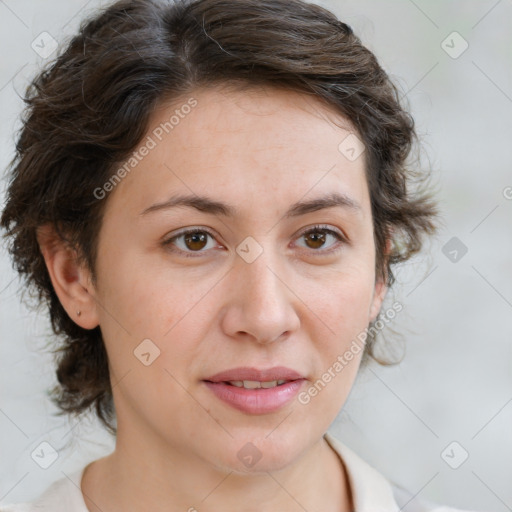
257 287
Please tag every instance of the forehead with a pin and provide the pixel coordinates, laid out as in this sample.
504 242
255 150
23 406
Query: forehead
263 117
240 143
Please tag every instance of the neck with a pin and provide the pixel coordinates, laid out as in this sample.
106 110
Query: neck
137 477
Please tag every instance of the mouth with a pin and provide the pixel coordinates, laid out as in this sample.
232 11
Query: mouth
255 384
249 374
256 391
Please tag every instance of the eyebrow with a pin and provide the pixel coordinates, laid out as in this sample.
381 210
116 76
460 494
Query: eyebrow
207 205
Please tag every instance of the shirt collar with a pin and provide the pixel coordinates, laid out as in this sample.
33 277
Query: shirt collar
371 491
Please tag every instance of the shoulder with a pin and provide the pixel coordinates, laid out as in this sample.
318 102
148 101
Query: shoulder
64 495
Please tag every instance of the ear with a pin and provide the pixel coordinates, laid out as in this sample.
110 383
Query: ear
71 280
380 290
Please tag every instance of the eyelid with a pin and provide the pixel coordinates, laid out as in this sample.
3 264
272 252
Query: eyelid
324 227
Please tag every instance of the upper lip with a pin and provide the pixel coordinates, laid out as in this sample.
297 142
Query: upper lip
264 375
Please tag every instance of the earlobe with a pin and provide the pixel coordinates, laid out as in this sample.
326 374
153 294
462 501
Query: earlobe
70 279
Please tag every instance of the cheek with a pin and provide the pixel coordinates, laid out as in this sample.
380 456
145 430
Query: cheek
150 341
134 295
147 302
341 313
342 300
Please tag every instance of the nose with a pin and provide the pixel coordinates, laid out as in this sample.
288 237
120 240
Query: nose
260 304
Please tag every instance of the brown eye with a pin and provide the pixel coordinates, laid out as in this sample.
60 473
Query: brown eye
319 239
315 239
190 241
195 241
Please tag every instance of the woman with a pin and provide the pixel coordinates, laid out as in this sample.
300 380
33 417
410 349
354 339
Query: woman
210 196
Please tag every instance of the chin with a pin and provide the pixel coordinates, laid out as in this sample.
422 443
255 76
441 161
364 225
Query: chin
259 452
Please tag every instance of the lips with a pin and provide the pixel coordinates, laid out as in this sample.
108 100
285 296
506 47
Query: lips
245 373
255 391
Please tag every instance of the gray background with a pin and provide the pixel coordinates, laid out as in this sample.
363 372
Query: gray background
455 383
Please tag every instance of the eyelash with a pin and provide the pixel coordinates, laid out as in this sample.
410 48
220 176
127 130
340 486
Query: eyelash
314 229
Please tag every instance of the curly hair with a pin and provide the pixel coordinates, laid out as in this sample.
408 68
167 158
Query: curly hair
90 107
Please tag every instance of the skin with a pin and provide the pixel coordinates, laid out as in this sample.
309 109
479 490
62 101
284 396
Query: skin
296 305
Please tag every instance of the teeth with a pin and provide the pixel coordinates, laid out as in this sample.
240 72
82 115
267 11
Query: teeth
255 384
252 384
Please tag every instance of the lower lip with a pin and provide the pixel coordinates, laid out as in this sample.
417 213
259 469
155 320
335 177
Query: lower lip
256 401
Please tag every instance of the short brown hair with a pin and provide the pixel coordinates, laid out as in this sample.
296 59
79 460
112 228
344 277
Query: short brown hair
90 107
